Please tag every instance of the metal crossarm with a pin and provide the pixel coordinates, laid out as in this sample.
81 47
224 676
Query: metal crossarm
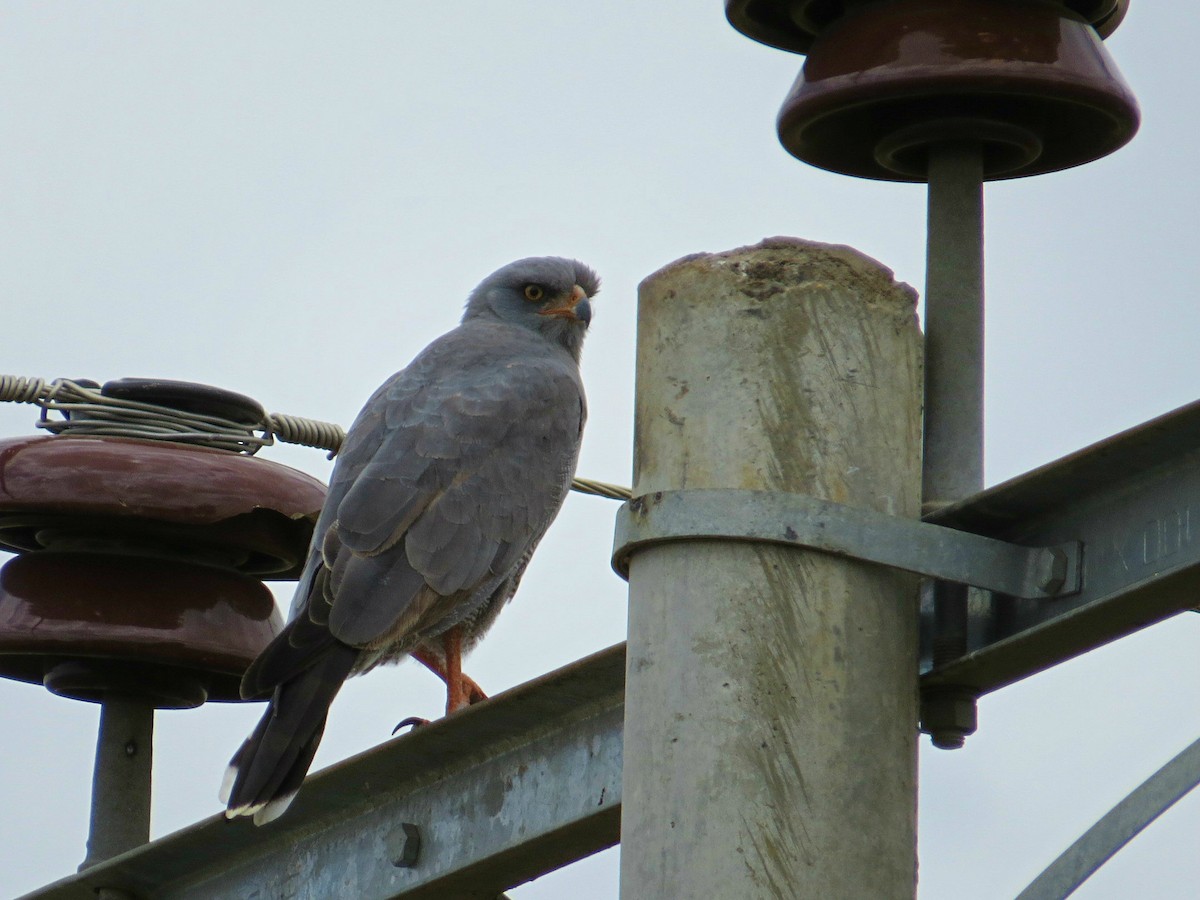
1133 500
466 806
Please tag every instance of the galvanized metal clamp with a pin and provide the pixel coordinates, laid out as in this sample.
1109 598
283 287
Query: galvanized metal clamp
1033 573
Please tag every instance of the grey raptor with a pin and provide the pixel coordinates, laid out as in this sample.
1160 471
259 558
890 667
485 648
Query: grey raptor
446 482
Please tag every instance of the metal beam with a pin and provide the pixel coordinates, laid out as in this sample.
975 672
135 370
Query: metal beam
1133 500
498 794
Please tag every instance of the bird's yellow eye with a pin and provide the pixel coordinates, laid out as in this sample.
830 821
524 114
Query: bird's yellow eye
534 293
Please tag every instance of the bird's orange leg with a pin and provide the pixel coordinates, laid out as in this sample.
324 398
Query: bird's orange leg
455 694
461 690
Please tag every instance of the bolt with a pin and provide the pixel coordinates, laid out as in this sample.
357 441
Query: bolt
1053 565
405 846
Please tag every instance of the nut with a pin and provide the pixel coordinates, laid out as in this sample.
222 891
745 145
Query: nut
949 714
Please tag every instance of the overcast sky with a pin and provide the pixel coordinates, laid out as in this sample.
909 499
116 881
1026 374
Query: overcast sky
291 199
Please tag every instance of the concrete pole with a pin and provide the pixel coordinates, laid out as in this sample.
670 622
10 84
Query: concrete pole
771 700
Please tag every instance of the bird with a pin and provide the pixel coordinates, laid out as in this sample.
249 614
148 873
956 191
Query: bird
446 482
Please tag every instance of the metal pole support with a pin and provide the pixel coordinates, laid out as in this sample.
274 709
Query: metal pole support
771 691
953 447
953 450
120 818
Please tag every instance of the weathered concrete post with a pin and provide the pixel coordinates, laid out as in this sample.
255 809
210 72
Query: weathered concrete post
771 709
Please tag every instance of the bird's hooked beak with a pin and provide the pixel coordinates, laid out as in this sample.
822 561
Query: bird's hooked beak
575 307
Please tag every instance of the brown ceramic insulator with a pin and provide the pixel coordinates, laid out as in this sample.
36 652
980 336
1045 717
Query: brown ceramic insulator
141 564
144 497
1030 82
1104 15
171 632
794 25
790 25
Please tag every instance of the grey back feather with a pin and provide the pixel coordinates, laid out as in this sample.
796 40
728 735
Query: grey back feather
449 476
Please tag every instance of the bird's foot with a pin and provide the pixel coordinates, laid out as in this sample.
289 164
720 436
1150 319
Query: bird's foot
461 689
462 692
471 691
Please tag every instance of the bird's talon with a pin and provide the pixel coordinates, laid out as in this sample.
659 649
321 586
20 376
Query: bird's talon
411 722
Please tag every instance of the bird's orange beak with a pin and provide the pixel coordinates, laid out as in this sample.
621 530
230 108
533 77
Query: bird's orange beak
575 307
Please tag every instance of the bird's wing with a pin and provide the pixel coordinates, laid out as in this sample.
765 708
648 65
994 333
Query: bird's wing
474 450
447 478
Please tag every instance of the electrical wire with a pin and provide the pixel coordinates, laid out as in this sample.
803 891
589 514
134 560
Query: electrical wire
78 407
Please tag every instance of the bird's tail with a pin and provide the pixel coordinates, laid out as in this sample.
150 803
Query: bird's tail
267 770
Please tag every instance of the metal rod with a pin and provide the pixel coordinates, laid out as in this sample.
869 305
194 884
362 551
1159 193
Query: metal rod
120 818
953 447
770 704
953 453
1117 827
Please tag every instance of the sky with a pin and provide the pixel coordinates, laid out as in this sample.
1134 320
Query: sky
290 200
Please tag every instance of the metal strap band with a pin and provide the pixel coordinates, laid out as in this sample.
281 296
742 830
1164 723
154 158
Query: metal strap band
796 520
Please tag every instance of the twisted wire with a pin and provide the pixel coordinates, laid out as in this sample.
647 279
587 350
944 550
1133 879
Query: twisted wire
306 432
18 389
601 489
83 410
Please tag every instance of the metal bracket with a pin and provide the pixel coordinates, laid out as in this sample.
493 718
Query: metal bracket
1032 573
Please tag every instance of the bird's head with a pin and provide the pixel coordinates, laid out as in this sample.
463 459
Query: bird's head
547 294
